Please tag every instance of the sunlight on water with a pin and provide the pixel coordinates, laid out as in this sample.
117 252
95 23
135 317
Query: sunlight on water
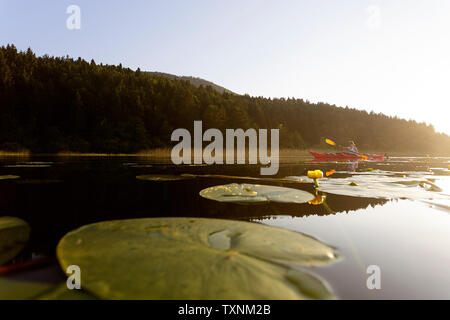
408 240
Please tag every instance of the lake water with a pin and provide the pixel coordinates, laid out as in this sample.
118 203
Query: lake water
408 238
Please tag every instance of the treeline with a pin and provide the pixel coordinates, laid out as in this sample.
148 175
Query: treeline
50 104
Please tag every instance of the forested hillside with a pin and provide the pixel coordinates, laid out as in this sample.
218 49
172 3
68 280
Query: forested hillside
192 80
50 104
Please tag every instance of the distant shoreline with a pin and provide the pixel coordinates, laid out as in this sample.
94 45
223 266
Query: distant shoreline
164 153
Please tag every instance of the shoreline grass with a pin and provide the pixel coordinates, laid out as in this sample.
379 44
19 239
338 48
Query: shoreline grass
21 153
165 153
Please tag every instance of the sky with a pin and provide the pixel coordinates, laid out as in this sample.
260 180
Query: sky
389 56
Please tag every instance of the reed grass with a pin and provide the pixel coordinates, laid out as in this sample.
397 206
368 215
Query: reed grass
165 153
20 153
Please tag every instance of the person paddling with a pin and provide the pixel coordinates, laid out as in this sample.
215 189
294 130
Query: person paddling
352 148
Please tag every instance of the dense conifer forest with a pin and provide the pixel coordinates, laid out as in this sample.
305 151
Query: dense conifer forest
52 104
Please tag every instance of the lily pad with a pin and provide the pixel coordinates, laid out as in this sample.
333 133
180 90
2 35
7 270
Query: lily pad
14 234
255 193
221 176
386 187
61 292
140 165
9 177
445 206
29 290
187 258
161 177
377 172
28 166
22 290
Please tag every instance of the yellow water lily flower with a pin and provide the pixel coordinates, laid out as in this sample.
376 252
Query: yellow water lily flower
315 174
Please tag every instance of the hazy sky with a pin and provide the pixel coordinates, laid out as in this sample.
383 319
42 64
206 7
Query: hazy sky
390 56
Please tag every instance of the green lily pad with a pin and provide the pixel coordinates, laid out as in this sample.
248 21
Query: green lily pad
254 193
61 292
427 184
9 177
221 176
136 165
14 234
378 172
30 290
386 187
161 177
28 166
187 258
445 206
22 290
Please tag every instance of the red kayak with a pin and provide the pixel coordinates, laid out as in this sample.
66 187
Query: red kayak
346 156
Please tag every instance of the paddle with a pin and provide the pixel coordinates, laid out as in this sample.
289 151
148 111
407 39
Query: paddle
331 142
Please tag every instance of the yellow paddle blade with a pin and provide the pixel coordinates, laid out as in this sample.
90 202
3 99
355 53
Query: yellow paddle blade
331 142
329 173
364 157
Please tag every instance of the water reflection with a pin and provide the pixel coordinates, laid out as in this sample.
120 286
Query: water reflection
60 198
407 239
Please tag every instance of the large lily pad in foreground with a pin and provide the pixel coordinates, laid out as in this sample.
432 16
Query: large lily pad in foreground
29 290
14 234
255 193
22 290
187 258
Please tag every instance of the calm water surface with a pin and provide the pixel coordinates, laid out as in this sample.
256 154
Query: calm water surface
409 240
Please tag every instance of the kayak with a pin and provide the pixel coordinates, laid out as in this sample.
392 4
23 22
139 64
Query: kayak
346 156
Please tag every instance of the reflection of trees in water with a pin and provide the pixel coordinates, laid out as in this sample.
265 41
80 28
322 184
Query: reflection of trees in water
340 203
86 196
336 202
